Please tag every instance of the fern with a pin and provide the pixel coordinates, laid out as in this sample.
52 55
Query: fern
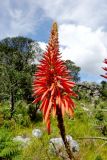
8 148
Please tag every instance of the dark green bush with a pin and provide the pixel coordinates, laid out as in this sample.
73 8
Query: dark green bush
99 116
98 158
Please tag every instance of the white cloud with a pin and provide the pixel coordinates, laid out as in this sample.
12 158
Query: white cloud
42 45
18 18
82 27
85 47
88 12
22 17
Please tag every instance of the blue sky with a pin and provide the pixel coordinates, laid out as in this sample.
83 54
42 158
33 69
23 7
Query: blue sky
43 31
82 28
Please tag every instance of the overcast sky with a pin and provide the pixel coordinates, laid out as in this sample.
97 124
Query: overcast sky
82 28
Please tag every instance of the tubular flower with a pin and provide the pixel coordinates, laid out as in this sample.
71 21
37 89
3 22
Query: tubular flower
105 68
52 85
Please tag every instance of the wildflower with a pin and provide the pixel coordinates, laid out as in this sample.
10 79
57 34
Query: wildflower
52 85
105 68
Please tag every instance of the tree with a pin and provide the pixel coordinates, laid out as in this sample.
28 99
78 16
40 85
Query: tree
52 86
16 70
73 69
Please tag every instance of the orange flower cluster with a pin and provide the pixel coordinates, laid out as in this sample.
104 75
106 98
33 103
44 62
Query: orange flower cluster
105 68
52 85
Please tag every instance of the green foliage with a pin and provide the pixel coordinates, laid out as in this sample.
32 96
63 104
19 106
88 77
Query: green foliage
21 115
16 67
24 121
16 70
8 148
9 124
104 89
22 44
98 158
74 70
99 116
1 118
82 125
33 112
38 150
5 109
103 104
104 129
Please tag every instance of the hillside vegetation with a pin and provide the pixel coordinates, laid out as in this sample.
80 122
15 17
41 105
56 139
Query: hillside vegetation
19 117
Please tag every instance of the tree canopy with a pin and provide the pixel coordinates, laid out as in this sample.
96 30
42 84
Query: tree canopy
74 70
16 69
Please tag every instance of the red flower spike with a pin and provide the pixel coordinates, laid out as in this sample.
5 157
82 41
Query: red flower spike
52 85
105 68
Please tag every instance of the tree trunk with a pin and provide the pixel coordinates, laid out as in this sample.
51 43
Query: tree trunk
11 104
63 134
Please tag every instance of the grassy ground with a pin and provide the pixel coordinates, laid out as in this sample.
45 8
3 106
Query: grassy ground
84 124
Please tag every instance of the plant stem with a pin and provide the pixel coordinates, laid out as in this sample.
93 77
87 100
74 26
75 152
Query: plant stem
102 138
63 134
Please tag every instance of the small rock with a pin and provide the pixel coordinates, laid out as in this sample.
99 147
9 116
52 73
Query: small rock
37 133
75 146
56 145
22 139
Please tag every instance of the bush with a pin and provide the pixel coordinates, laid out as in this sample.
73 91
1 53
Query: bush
9 124
104 130
98 158
99 116
22 120
21 108
5 109
21 115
